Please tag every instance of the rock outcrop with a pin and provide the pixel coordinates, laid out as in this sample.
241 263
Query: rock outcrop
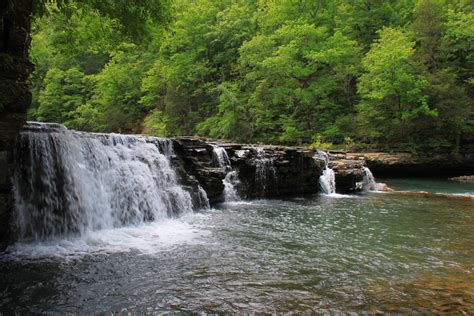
463 178
263 171
348 174
405 164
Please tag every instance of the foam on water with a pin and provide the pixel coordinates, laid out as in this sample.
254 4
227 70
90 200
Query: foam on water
232 177
340 196
148 239
78 192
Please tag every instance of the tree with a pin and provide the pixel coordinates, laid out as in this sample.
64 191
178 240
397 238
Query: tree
392 88
62 94
438 62
297 81
233 121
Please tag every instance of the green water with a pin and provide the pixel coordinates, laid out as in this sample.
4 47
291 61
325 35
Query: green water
374 252
443 186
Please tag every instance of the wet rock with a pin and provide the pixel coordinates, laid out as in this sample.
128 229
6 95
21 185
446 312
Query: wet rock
405 164
348 174
263 171
383 187
195 159
463 178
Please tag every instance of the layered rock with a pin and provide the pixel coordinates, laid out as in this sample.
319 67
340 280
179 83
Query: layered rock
349 174
406 164
263 171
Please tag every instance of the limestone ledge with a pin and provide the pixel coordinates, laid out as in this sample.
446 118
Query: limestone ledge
264 170
408 165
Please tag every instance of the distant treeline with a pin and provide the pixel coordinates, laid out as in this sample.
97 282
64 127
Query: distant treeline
289 71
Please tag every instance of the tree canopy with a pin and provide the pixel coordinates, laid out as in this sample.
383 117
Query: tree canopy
292 72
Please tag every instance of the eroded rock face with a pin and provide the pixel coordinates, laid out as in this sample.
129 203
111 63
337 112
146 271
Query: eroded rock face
348 173
463 178
406 164
196 165
263 171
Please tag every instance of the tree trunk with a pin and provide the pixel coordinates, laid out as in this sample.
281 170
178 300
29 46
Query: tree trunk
15 97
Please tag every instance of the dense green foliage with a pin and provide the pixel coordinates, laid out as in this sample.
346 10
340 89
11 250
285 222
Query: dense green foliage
286 71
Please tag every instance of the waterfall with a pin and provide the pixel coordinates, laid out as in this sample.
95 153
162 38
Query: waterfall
230 193
202 197
231 178
265 171
327 181
221 157
68 182
368 183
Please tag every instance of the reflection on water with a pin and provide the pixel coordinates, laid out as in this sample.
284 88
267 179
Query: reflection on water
367 253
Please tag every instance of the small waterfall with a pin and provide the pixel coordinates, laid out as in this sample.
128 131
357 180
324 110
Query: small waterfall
221 157
202 196
327 181
368 183
68 182
231 178
230 193
265 172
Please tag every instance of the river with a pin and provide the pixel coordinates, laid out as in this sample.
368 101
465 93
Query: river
367 253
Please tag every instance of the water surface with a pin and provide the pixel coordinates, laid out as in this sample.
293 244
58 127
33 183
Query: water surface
441 186
366 253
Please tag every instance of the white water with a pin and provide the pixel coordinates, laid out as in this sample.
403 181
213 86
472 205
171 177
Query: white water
231 178
265 171
70 183
369 184
221 157
203 200
230 193
148 238
327 181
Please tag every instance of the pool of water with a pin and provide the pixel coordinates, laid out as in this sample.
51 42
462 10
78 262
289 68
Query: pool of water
441 186
377 252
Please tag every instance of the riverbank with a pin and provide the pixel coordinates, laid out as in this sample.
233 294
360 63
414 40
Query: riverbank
384 164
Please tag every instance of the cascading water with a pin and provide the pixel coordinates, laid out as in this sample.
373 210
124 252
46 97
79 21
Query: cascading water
265 171
221 157
327 181
368 183
69 183
231 177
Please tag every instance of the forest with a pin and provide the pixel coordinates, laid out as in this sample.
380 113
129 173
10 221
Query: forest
361 73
